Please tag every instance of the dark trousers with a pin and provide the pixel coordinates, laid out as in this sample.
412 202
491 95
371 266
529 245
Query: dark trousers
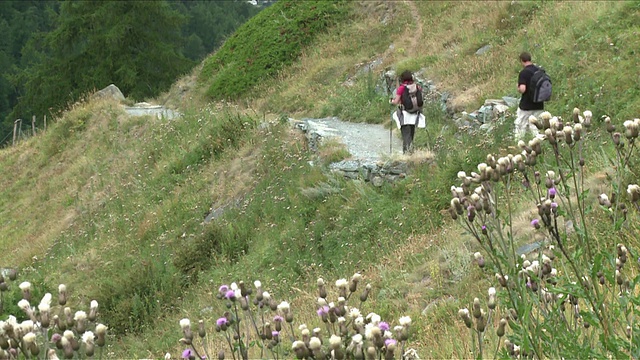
407 137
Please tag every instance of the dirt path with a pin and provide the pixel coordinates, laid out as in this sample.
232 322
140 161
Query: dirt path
417 33
366 142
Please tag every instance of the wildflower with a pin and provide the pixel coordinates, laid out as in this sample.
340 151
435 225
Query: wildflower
222 323
383 326
80 318
335 341
93 310
278 321
315 343
535 223
283 307
88 340
480 259
631 129
464 315
374 318
389 342
405 321
223 289
62 294
300 349
357 338
552 192
26 290
633 191
187 354
24 305
323 312
603 200
354 313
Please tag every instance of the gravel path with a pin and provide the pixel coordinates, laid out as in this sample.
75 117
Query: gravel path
366 142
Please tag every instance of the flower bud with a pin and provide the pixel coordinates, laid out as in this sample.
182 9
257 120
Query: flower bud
62 294
479 259
501 327
477 311
464 315
576 115
616 138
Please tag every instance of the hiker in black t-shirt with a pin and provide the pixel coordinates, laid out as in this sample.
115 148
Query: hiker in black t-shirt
527 107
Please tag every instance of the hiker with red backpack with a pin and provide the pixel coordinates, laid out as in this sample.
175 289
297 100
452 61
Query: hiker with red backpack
410 100
535 86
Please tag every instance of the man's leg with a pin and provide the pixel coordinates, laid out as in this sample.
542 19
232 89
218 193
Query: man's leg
406 137
412 133
522 123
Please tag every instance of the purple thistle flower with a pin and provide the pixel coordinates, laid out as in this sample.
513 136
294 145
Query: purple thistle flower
186 354
552 192
57 337
221 321
388 342
383 326
535 223
554 205
223 289
278 318
275 333
231 295
323 310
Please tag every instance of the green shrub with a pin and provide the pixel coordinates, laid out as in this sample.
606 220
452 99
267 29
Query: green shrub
266 44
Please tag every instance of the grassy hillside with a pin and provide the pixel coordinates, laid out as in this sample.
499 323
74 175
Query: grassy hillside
114 206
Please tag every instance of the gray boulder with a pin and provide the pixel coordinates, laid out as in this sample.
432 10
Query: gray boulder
110 91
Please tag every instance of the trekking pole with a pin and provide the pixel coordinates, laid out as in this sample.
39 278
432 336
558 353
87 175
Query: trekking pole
391 133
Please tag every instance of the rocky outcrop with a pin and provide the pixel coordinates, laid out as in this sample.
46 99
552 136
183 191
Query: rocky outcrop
111 92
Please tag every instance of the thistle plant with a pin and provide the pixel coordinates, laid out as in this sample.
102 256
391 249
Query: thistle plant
256 325
51 332
575 296
5 278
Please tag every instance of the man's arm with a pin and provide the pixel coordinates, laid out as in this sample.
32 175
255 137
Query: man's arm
522 81
522 88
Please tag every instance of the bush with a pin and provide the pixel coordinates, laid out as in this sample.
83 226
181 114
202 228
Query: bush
267 44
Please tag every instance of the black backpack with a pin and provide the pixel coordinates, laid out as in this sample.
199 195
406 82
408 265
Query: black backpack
540 86
412 99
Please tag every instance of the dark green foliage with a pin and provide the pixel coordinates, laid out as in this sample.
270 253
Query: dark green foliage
210 22
131 303
199 254
134 44
19 22
272 40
